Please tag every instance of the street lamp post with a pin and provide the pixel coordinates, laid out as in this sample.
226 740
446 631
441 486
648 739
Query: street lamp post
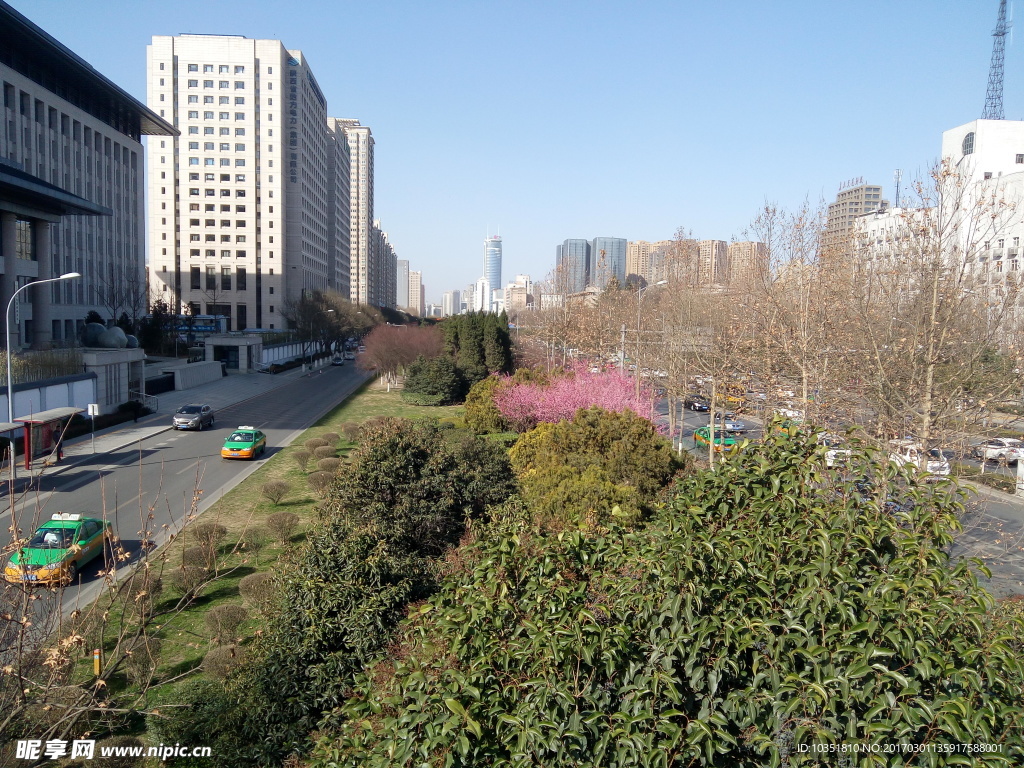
7 329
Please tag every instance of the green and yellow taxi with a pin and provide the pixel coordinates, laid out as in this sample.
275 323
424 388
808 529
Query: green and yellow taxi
244 443
722 441
58 550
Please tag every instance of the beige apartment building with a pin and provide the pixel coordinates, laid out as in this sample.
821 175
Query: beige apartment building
748 263
417 294
851 203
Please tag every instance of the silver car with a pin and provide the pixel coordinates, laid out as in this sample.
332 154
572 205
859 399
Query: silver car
193 417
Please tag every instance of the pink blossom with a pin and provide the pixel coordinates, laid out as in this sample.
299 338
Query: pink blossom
526 405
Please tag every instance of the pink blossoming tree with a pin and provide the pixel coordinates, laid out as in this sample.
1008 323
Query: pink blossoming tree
527 404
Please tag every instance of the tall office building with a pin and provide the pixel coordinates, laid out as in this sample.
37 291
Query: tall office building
608 261
240 205
365 284
572 266
416 294
851 202
451 303
402 284
71 187
492 261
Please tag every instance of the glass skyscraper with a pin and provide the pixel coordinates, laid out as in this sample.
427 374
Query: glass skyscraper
572 266
608 260
492 262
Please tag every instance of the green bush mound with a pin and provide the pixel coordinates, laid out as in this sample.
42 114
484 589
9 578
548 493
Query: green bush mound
768 608
599 466
433 382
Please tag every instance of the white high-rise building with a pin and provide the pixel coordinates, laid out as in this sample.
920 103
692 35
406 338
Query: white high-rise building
482 295
240 203
365 284
417 294
451 303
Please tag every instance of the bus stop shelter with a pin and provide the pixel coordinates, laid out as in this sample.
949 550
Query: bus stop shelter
42 430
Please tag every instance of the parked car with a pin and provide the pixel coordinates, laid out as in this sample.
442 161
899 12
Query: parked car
58 549
193 417
697 403
731 424
836 453
350 355
1005 450
909 451
338 360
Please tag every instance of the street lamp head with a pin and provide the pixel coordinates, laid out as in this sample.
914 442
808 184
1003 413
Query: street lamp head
69 275
661 282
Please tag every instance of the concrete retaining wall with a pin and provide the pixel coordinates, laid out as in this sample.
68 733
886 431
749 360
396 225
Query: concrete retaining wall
194 374
67 391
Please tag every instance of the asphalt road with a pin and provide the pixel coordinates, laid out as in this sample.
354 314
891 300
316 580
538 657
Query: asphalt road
175 473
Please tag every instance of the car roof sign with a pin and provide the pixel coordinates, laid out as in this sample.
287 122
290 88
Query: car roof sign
66 516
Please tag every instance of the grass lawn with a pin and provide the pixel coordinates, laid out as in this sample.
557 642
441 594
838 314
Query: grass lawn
183 635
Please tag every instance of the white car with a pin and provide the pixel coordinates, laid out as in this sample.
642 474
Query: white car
835 455
732 424
910 452
791 413
1005 450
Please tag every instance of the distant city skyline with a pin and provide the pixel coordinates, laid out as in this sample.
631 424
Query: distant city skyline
486 162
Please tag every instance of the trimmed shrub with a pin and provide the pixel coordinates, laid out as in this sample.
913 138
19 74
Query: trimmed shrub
141 660
259 590
482 415
222 660
350 430
199 557
275 490
252 541
313 443
324 452
209 535
282 525
188 579
302 459
332 438
222 621
329 464
142 589
320 482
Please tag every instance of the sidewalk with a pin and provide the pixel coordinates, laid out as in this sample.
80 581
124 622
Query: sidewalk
227 391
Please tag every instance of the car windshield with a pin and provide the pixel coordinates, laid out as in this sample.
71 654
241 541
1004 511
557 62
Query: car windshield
935 454
189 409
53 538
241 437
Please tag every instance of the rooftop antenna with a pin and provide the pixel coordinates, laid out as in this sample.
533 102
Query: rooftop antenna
994 94
897 175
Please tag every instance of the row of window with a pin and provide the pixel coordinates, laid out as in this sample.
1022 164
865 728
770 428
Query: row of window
194 192
193 130
222 69
209 99
239 84
195 277
223 239
225 162
194 115
209 146
213 222
239 177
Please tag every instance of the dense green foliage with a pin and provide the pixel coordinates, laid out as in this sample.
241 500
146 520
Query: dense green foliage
771 607
480 344
578 472
403 499
433 382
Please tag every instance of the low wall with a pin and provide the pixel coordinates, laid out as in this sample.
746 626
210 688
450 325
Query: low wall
75 391
194 374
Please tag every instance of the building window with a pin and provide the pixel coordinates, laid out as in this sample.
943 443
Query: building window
209 177
239 131
224 69
193 145
968 144
207 99
207 83
193 130
225 161
223 84
210 253
211 278
239 70
193 83
239 162
193 238
207 67
240 278
1020 159
193 115
225 115
239 100
239 115
207 115
195 279
988 175
208 161
193 161
193 191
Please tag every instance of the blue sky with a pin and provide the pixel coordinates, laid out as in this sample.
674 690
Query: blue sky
545 121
